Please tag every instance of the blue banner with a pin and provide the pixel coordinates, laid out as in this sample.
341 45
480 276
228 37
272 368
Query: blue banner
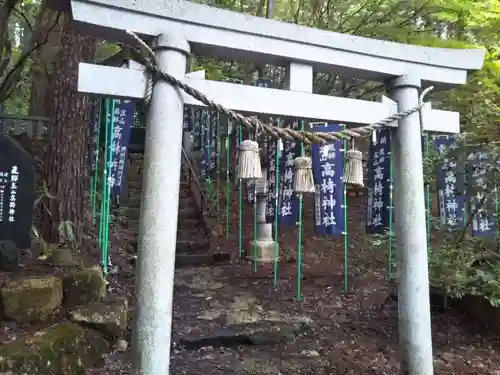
123 120
188 123
328 173
197 144
450 185
263 83
212 132
95 121
289 203
379 183
482 199
204 136
273 173
251 191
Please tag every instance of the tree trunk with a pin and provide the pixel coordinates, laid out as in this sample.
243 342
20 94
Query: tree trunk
42 68
65 168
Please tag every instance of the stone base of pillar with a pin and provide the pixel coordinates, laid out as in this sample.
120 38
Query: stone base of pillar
266 251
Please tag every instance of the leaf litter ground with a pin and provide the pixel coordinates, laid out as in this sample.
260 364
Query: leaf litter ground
352 332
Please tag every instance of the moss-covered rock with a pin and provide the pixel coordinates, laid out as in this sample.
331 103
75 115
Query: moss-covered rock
109 317
63 349
84 286
9 256
63 257
31 299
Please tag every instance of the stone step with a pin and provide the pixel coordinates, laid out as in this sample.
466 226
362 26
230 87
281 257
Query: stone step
135 204
184 194
188 212
133 224
258 333
200 259
134 189
199 246
134 194
186 202
134 171
188 224
135 156
192 246
184 231
132 213
135 184
191 233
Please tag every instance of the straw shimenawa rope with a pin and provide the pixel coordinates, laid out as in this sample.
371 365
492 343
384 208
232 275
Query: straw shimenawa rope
143 54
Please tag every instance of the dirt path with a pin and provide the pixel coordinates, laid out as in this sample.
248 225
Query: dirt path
226 322
345 334
231 320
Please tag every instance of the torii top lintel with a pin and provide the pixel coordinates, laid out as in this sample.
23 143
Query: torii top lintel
218 32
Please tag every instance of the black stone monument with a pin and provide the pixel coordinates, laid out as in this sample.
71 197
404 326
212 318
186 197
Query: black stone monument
17 193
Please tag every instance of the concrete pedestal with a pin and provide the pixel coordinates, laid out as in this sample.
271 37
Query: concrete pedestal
265 249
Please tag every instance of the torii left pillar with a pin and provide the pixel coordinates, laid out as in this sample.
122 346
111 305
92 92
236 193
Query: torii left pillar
158 227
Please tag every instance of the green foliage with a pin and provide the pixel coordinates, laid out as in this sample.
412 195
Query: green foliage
16 49
469 268
459 264
105 50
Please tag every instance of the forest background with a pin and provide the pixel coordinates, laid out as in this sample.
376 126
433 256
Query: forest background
40 53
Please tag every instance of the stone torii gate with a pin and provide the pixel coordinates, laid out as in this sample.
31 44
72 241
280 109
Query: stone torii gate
180 27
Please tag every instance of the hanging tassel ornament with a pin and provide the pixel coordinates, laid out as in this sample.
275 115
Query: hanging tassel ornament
249 161
353 170
304 180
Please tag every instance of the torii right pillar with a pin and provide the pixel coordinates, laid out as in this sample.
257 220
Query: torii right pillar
413 289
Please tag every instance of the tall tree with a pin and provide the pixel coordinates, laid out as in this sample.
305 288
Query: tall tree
47 28
65 168
19 42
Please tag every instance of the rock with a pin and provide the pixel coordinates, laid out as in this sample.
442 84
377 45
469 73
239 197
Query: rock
84 286
108 317
63 257
131 247
38 247
255 334
309 353
9 256
121 345
31 299
63 349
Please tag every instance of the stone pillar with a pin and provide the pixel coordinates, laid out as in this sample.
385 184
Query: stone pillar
410 223
266 246
159 210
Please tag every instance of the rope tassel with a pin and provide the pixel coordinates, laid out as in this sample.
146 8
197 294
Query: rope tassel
249 161
304 180
353 170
